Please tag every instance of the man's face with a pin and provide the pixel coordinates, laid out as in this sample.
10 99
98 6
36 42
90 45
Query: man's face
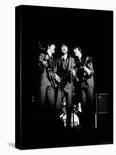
77 53
64 49
51 49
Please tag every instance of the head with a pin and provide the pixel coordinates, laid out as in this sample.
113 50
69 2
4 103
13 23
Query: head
78 52
51 49
64 49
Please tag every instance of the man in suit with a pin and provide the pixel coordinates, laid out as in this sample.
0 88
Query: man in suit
84 86
64 96
47 69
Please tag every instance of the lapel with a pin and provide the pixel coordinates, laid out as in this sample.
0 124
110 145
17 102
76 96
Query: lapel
65 63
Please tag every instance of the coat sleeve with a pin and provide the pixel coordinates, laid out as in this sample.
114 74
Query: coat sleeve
40 62
88 68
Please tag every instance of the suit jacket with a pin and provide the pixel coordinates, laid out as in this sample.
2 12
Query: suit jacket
44 79
63 70
85 80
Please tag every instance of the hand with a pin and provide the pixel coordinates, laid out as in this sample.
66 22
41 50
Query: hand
44 62
87 70
46 57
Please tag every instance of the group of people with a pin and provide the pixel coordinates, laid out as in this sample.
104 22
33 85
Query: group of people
67 84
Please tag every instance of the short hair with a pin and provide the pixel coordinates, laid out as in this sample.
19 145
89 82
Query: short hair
64 45
52 46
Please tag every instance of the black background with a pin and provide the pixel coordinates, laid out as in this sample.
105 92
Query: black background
92 30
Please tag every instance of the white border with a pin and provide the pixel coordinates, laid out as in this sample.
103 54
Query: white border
7 75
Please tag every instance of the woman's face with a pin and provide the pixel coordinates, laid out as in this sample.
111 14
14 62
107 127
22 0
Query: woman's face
77 53
64 49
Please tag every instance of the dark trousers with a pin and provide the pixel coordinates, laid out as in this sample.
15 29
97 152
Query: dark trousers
67 94
87 116
47 96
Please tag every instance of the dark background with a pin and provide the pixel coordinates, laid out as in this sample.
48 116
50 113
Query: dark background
92 30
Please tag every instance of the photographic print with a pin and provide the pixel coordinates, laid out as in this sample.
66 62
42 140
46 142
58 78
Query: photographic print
64 77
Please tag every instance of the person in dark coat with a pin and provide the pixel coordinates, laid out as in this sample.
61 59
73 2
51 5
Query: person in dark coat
85 86
47 69
65 65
